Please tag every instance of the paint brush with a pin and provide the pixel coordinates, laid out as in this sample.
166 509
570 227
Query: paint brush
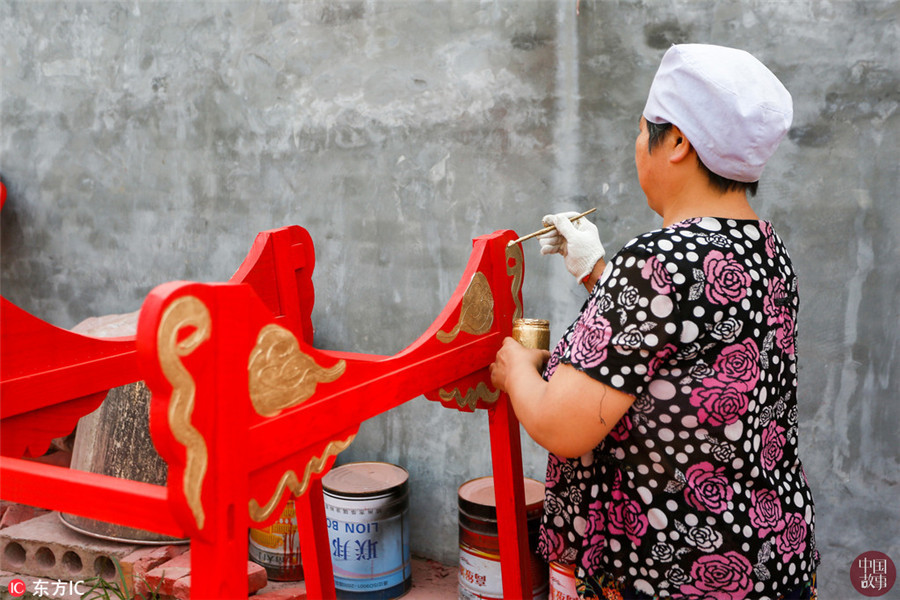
547 229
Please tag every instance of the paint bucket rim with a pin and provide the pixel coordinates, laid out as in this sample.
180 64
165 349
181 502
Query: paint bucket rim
488 512
337 482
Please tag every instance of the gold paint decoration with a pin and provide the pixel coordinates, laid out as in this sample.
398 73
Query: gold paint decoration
481 392
514 264
297 486
477 313
281 375
185 312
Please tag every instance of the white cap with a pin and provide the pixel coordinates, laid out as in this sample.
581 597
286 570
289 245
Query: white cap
732 109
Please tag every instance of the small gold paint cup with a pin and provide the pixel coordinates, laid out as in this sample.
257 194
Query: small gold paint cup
532 333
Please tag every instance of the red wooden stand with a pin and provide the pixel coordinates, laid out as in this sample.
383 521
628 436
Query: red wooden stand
246 411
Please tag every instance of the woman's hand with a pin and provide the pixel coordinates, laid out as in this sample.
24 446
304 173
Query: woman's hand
514 360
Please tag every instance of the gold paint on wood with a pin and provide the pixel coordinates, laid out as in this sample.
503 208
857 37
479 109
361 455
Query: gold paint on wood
290 480
514 267
185 312
281 375
481 392
477 313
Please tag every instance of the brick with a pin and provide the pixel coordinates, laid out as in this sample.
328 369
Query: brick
182 588
136 565
256 577
294 592
44 547
162 578
19 513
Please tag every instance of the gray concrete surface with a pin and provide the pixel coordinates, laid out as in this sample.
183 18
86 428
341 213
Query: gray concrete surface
149 141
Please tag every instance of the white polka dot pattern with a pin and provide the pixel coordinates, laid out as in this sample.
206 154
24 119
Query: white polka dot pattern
698 490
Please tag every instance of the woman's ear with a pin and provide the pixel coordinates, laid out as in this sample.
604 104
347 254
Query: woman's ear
680 146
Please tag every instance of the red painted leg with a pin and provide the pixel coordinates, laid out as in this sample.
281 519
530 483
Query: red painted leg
509 488
315 551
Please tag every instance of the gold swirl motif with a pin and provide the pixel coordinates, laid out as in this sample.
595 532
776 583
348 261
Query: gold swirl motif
477 313
514 262
281 375
185 312
481 392
290 480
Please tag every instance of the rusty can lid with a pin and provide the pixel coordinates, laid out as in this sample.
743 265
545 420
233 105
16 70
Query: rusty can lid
477 498
366 479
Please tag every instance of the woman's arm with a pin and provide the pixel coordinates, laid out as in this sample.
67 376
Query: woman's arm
570 414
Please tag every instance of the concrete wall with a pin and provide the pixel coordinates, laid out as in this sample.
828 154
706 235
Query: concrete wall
149 141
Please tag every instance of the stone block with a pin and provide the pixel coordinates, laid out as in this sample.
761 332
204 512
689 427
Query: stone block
44 547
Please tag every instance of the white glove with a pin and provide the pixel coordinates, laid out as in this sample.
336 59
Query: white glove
578 242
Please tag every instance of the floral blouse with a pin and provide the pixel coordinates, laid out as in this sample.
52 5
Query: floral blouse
698 491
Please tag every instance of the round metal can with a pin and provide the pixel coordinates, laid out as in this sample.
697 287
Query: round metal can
562 582
367 514
277 547
532 333
479 543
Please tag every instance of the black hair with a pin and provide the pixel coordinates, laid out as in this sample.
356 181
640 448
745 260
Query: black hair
656 133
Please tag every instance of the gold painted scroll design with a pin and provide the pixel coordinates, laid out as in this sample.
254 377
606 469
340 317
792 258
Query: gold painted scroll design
281 375
514 268
297 486
477 313
185 312
481 392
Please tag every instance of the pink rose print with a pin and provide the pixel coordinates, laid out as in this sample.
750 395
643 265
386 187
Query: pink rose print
551 543
793 538
554 469
660 359
590 341
626 516
785 335
769 235
594 535
719 406
777 292
707 488
620 431
655 272
737 365
726 279
772 445
765 512
720 577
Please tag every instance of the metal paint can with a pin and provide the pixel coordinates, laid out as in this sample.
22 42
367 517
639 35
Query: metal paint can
479 543
367 513
562 582
532 333
277 547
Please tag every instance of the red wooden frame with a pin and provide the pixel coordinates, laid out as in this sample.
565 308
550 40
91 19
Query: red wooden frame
246 411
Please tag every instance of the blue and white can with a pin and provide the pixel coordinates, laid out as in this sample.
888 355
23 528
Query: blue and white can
367 512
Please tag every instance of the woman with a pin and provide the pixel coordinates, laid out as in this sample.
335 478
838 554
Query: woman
669 406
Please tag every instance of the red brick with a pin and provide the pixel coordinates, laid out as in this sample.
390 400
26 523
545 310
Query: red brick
136 565
256 577
297 592
162 578
182 588
172 578
19 513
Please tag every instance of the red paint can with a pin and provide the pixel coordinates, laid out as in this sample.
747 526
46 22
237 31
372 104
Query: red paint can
562 582
277 547
479 543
